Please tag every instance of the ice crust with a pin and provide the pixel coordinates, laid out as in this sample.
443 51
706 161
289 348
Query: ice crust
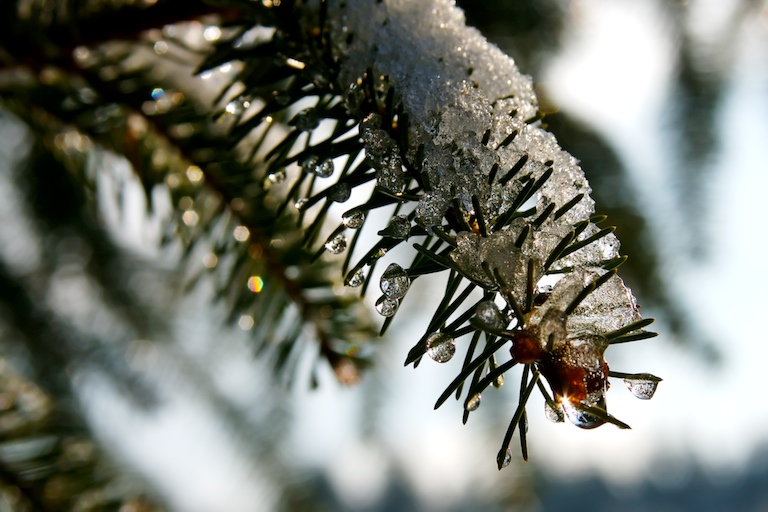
612 303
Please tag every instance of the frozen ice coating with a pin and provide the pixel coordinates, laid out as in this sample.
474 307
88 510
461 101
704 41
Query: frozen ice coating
610 307
498 252
431 207
603 249
564 292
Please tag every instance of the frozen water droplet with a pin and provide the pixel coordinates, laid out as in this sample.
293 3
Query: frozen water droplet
391 177
399 227
357 278
553 413
394 281
305 120
642 387
488 315
507 459
381 150
336 244
386 306
580 417
301 203
473 403
339 192
278 176
308 164
354 219
441 347
498 382
324 169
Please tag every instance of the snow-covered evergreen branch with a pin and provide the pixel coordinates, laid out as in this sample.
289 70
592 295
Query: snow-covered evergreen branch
511 210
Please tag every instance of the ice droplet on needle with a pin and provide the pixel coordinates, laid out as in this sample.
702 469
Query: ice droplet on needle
441 347
387 307
642 387
337 244
394 282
